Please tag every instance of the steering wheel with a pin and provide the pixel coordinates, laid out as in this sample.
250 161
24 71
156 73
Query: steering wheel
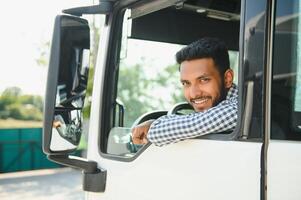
148 116
176 109
133 148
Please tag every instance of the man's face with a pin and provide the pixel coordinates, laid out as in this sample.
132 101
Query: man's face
202 83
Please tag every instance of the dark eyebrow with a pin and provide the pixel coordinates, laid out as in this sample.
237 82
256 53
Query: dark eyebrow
203 76
200 77
184 81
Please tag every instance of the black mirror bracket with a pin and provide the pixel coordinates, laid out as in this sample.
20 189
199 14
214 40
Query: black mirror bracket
94 179
104 7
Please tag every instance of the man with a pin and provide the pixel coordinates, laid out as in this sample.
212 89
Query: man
208 86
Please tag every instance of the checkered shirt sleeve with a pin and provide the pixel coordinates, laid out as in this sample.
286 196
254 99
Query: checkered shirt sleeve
174 128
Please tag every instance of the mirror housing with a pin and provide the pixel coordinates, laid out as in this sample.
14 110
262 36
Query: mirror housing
65 94
66 85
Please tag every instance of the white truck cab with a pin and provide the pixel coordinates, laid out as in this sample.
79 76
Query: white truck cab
136 79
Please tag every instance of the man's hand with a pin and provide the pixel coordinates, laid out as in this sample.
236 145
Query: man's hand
139 132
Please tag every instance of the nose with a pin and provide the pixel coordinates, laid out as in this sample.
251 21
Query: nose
195 91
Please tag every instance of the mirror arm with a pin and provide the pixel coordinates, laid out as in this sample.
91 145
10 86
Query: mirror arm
94 179
74 161
104 7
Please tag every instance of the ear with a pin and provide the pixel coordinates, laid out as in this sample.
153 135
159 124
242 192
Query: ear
228 78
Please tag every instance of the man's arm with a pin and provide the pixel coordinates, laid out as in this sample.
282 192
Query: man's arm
173 128
140 131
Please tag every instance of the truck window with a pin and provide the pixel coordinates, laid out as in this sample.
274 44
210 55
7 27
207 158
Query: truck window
148 76
286 83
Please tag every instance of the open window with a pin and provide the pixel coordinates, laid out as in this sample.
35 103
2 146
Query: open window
146 78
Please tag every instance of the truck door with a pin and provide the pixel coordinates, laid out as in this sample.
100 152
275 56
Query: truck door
284 149
137 76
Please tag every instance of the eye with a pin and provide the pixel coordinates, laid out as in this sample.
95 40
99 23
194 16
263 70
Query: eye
185 83
204 80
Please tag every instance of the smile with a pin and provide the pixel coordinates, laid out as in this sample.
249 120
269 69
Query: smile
200 101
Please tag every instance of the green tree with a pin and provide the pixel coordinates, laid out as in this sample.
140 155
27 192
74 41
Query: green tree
171 77
22 107
12 92
137 90
36 101
14 111
30 112
133 92
8 102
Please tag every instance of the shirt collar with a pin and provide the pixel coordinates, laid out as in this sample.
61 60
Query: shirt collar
233 91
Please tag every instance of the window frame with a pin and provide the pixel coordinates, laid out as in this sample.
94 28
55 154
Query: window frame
111 77
273 76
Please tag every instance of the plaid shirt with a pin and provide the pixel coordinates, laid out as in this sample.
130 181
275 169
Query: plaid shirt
174 128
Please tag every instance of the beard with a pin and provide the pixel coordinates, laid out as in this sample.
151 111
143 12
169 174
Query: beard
206 101
223 94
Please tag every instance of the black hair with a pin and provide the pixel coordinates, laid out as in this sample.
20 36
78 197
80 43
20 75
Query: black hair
206 48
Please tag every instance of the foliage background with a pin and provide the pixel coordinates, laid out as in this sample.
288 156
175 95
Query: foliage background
15 105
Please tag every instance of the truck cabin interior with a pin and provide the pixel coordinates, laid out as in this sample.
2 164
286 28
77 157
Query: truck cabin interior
182 22
174 23
185 22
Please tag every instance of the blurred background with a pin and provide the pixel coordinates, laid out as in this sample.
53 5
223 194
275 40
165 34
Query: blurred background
26 33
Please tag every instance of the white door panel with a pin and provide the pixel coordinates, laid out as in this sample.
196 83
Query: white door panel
193 169
284 170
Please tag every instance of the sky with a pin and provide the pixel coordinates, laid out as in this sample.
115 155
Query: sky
25 27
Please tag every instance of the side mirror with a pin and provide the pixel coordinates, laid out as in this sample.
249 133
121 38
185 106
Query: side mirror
66 84
64 101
